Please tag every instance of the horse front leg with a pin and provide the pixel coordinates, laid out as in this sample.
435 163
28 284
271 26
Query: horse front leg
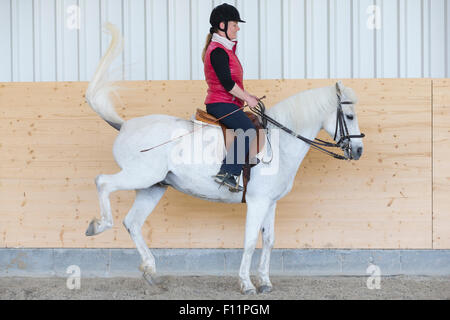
268 238
256 211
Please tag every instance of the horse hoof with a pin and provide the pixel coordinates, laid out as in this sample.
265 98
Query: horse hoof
91 230
149 278
249 292
265 289
97 226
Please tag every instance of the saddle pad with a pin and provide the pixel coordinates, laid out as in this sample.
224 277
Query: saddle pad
202 115
205 117
203 123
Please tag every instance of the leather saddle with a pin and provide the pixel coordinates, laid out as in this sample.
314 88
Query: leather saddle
205 117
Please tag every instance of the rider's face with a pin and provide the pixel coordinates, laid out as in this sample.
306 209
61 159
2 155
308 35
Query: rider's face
233 28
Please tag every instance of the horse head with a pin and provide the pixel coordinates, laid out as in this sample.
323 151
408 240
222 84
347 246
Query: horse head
342 123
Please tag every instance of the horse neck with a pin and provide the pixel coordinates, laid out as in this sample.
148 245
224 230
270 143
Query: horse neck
291 149
294 150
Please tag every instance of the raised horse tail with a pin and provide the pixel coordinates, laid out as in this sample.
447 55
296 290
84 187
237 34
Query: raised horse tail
99 89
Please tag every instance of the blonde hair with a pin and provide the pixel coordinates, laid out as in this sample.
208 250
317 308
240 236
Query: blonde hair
208 41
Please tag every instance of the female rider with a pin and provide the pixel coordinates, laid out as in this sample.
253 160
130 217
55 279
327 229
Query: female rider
224 76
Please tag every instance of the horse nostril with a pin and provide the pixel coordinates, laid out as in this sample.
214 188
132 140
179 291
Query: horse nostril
359 151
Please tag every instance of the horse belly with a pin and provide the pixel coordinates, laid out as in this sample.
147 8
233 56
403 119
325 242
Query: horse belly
200 184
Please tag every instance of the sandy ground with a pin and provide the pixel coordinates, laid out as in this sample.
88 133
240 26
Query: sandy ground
223 288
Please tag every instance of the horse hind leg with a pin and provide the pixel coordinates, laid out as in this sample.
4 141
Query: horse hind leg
146 201
106 184
97 226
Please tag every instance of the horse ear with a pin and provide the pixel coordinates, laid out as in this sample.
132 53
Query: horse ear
340 92
339 88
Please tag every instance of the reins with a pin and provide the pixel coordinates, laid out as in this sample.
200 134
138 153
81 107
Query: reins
318 144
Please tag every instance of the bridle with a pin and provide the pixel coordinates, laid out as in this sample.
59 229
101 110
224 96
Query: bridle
344 140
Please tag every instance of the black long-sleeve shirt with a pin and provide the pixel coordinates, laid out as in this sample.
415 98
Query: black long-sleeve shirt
221 65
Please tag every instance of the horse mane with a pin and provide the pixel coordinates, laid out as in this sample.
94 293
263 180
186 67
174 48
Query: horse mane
309 106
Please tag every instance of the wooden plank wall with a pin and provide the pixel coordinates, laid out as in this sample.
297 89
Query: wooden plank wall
53 145
441 164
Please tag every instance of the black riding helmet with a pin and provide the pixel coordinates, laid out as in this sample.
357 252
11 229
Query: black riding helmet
223 13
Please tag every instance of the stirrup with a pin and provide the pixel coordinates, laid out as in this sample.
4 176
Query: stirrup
221 179
236 188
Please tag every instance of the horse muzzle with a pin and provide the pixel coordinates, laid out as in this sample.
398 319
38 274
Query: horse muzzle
352 150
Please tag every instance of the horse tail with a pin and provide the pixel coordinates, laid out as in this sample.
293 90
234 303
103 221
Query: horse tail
99 89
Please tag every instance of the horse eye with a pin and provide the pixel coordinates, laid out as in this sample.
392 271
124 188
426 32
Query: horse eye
349 117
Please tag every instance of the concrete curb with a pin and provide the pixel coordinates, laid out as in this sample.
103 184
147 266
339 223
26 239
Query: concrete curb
28 262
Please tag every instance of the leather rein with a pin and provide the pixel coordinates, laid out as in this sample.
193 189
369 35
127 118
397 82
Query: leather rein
318 144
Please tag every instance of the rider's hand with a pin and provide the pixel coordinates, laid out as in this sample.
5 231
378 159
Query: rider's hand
257 99
251 100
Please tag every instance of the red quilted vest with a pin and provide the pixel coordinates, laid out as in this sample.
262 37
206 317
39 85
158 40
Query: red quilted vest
216 92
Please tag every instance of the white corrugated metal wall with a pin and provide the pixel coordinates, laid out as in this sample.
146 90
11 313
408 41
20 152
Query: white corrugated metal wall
41 40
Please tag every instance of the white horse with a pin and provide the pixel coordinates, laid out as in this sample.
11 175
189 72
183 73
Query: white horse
150 173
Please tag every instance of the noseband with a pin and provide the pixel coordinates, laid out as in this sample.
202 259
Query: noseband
318 144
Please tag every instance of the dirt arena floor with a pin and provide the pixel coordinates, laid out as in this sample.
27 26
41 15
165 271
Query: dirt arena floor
224 288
